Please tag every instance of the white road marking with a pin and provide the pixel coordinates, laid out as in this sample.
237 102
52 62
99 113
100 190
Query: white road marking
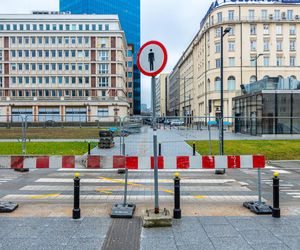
269 167
121 188
208 198
281 171
107 180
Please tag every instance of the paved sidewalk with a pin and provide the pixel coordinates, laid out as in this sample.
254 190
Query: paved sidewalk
257 232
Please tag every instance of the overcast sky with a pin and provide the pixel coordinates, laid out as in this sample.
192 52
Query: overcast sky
172 22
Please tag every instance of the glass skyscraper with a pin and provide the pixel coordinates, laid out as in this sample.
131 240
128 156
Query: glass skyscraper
129 15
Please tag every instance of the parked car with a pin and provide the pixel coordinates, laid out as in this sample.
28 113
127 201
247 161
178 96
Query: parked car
176 122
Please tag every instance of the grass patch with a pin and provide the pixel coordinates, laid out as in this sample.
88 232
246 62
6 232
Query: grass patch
50 133
272 149
45 148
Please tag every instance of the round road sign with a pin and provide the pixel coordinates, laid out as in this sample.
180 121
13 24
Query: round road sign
152 58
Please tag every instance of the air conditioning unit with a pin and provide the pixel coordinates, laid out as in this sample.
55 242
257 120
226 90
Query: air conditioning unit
271 16
297 17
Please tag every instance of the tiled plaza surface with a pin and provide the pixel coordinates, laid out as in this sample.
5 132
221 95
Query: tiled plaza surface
260 232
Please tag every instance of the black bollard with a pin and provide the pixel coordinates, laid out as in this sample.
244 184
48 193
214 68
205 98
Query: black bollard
159 149
276 209
177 210
76 209
89 148
194 148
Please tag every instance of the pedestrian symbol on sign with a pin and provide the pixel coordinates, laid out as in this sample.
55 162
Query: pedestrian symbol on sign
151 59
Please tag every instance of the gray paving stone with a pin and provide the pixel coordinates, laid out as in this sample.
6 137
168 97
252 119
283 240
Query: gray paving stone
157 232
85 243
232 243
213 220
203 246
285 230
161 243
220 230
25 232
189 224
255 237
268 246
90 232
249 224
292 242
190 238
15 243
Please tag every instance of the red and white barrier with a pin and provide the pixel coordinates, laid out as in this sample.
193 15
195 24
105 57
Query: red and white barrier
134 162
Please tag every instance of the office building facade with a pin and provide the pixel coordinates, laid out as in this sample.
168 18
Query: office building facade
63 67
268 30
161 93
129 15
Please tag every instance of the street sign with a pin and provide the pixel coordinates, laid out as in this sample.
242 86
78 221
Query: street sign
152 58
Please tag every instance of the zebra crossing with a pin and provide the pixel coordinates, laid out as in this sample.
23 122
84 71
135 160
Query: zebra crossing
106 188
286 186
6 178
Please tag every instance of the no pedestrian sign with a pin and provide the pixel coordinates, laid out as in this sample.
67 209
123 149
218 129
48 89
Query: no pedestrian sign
152 58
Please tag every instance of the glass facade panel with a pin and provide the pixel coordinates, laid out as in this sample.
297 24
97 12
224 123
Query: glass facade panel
129 14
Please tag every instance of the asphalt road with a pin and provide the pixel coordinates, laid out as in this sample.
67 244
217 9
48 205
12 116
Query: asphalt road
202 192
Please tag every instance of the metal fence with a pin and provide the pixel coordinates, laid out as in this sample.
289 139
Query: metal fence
134 134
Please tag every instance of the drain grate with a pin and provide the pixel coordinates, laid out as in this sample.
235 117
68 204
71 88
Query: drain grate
123 234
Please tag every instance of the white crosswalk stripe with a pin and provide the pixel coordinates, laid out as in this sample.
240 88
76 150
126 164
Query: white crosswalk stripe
140 189
6 179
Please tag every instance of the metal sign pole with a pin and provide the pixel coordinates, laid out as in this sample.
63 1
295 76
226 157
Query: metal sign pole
156 208
259 185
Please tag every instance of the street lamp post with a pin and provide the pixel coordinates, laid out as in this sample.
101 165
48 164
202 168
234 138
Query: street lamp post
256 70
221 132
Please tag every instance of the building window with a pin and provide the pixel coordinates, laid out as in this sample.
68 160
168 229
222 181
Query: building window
278 29
290 15
103 81
103 112
231 46
252 29
219 17
218 47
80 40
230 15
266 44
231 61
67 80
73 79
277 15
103 55
103 68
80 81
253 45
231 32
218 63
293 45
279 61
106 27
292 29
250 15
292 61
231 83
218 84
266 29
73 40
218 32
279 45
264 14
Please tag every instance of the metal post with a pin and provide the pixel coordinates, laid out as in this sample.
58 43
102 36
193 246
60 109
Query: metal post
256 73
222 97
156 208
209 137
184 100
89 148
276 209
194 148
76 209
125 191
159 149
177 210
259 185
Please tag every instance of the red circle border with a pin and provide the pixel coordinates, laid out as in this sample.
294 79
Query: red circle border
164 61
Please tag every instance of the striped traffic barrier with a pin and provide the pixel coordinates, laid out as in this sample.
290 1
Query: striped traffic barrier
133 162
